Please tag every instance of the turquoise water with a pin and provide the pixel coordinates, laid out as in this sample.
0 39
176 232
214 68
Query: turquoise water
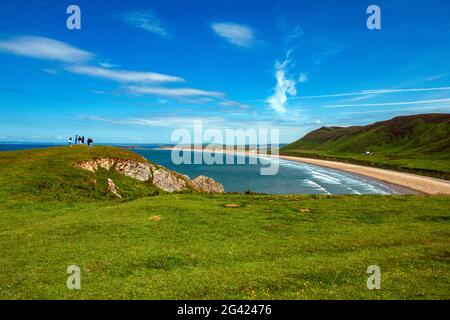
292 177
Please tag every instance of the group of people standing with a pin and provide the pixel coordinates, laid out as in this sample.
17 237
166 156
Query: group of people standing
80 140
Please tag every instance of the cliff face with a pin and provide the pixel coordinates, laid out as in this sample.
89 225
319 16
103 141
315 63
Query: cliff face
162 178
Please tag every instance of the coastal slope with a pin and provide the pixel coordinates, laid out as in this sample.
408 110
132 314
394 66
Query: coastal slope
417 144
158 245
79 172
418 183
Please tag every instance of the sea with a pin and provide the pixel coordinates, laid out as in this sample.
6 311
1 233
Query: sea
291 178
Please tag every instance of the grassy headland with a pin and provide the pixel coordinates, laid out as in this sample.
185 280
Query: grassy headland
53 215
417 144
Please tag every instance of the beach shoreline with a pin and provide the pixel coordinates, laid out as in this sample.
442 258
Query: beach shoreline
400 181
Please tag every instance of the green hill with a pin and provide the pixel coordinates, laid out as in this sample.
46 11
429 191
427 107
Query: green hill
206 246
418 143
51 174
79 172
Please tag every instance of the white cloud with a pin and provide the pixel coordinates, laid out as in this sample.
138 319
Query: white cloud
173 122
107 65
160 121
285 87
231 103
208 121
50 71
44 48
235 34
294 34
405 90
98 91
374 92
384 104
75 59
428 108
175 92
124 75
436 77
362 97
147 20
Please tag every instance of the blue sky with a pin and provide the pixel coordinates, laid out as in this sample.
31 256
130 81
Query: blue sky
137 70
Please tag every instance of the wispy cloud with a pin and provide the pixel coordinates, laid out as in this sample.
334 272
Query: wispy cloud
175 92
44 48
50 71
146 20
208 121
294 34
124 75
98 91
304 77
175 122
373 92
107 65
236 34
285 87
138 82
291 33
159 121
362 97
328 50
436 77
405 90
385 104
230 103
430 108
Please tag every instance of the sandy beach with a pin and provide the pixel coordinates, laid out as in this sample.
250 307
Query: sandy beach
421 184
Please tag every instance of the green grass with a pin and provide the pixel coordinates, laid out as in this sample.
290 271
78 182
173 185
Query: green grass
50 174
267 248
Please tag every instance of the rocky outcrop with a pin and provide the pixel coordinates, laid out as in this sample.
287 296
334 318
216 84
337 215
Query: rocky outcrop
136 170
163 178
112 188
105 163
90 165
206 184
168 181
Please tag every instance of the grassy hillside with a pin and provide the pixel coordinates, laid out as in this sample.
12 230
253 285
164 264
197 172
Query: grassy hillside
419 144
194 246
50 174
